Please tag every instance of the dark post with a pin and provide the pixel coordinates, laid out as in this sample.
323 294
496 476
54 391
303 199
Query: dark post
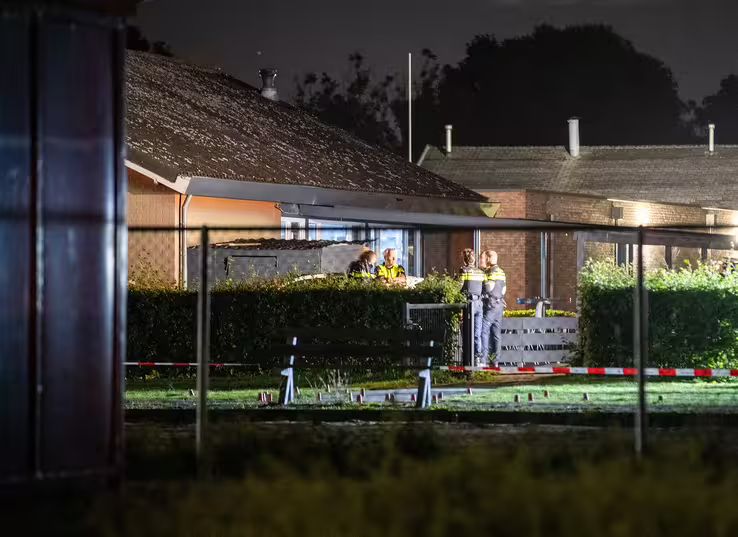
63 280
203 351
467 332
640 349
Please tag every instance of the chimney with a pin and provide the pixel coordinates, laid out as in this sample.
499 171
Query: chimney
268 88
574 137
711 142
448 128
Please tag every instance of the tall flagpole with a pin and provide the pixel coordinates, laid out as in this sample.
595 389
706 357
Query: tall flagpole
410 106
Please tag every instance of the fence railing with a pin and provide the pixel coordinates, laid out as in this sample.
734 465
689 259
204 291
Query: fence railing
538 340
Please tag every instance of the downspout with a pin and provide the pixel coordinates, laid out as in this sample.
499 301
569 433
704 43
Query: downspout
183 240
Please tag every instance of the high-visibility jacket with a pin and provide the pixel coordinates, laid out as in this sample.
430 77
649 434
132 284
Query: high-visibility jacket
495 285
390 273
360 270
472 281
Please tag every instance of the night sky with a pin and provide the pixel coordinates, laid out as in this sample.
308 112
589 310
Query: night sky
696 38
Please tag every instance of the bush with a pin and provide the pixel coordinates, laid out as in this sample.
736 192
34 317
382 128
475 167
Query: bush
246 315
693 317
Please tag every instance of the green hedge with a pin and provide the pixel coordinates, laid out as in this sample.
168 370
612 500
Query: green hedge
693 316
246 315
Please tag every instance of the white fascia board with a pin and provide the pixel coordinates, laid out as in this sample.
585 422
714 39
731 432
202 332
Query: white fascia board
180 185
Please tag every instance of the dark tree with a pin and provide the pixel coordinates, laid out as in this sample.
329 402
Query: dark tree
518 91
135 40
522 90
358 105
721 109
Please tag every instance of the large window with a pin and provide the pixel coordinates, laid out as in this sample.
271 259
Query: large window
378 238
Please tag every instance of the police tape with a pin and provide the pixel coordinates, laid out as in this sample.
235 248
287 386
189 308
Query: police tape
503 370
599 371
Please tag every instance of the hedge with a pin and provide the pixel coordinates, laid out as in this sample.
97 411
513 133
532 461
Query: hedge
246 315
693 316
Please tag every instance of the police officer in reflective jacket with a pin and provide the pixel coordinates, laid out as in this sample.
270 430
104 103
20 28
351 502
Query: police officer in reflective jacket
390 272
363 268
472 283
493 299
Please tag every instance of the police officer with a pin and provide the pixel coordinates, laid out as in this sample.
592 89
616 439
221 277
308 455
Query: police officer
363 268
495 286
472 282
390 272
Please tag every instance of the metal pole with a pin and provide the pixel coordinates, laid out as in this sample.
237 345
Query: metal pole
544 265
410 106
418 259
640 349
203 352
477 239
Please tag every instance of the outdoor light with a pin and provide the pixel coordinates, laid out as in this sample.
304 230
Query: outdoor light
642 216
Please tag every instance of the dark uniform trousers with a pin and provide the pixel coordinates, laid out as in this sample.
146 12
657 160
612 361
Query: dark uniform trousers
491 330
472 280
495 286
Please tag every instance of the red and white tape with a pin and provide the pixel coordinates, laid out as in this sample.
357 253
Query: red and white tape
537 370
599 371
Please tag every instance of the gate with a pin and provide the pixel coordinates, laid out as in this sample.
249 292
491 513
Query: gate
439 317
537 340
525 340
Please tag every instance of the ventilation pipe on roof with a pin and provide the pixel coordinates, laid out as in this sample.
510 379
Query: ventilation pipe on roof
574 137
268 86
711 142
448 128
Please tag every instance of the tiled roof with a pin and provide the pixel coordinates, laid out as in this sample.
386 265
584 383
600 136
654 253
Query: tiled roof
277 244
185 120
667 174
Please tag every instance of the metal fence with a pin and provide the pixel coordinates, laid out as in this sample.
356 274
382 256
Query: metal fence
173 256
525 340
538 340
443 317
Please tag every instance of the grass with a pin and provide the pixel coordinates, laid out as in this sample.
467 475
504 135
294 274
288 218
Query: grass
306 480
565 393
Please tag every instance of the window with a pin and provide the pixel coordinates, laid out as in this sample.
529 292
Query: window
378 238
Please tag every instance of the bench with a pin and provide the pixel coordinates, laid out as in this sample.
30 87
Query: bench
319 347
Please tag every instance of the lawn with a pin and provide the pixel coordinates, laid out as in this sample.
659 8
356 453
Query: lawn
495 392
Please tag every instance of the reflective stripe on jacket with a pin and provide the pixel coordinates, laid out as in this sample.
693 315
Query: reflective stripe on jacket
382 271
472 280
495 284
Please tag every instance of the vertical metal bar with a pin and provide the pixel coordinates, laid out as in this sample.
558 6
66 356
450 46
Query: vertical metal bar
410 106
36 261
120 232
640 349
418 250
203 352
544 265
477 237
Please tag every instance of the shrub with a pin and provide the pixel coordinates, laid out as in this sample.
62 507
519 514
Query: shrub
246 315
693 316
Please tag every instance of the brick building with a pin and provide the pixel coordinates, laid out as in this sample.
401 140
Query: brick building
613 186
207 149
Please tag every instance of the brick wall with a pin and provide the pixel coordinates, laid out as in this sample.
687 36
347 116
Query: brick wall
519 253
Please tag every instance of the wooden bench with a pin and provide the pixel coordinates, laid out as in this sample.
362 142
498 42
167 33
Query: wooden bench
320 347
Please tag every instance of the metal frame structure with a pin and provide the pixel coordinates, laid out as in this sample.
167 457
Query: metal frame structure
638 237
